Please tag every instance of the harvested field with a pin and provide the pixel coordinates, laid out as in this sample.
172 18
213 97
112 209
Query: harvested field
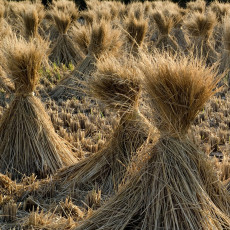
114 117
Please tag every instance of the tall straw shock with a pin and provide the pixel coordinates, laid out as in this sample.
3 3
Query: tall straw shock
173 189
200 28
116 84
28 142
63 49
165 23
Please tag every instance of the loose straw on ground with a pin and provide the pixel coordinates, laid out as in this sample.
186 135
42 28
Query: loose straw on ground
28 142
173 189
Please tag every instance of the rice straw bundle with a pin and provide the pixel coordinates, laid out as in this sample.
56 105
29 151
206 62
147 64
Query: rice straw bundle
28 142
165 24
117 86
103 39
64 50
200 28
225 54
32 18
178 32
170 191
136 29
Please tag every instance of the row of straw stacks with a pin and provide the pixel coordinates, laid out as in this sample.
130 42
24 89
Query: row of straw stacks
154 65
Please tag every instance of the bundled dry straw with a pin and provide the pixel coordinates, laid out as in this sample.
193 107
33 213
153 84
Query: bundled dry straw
136 31
165 23
116 84
28 142
63 49
200 28
32 18
103 39
172 190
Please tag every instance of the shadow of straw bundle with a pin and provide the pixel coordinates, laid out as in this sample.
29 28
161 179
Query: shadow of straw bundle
103 39
200 28
116 84
64 50
170 191
29 143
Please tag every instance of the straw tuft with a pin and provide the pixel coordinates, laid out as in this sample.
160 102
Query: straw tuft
177 91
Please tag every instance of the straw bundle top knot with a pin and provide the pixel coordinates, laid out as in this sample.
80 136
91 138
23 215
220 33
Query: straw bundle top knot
116 83
178 87
104 39
201 25
23 61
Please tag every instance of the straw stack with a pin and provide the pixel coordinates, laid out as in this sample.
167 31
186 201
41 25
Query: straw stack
165 23
116 84
172 190
28 142
32 18
103 39
63 49
136 31
200 28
